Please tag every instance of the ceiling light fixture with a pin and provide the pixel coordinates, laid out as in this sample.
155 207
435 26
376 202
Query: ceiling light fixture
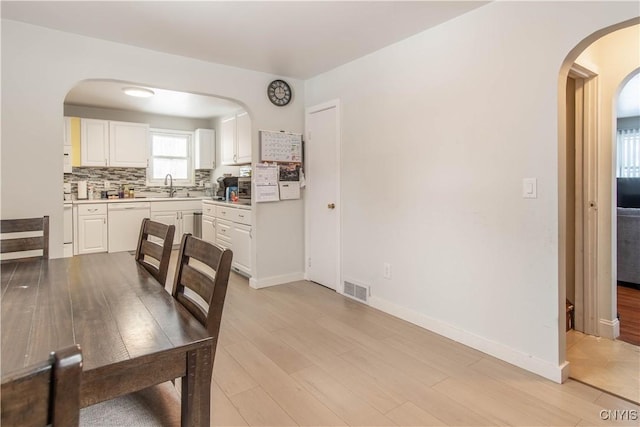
138 92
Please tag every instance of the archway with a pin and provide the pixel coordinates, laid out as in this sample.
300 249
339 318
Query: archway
600 244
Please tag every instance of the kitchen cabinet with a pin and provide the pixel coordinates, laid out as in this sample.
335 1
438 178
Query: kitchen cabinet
235 139
94 142
205 152
230 228
67 147
181 214
67 230
128 144
209 228
91 228
109 143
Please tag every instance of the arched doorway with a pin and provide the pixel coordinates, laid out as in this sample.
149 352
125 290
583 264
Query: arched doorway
587 231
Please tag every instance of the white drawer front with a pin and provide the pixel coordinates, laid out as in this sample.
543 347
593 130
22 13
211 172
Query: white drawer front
225 212
97 209
223 229
242 216
209 210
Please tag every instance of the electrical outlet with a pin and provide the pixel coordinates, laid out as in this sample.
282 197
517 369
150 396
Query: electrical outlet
107 184
386 270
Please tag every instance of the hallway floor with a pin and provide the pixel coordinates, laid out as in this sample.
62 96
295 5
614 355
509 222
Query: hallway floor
610 365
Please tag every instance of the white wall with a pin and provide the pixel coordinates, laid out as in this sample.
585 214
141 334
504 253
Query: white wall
39 67
613 57
440 198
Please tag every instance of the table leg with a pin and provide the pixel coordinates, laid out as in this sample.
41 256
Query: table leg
196 388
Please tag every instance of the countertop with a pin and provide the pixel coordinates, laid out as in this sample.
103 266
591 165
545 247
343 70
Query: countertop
161 199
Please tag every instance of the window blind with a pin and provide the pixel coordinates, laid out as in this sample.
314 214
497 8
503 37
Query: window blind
628 144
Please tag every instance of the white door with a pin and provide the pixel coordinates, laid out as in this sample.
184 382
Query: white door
92 234
128 144
169 218
208 229
228 141
322 175
243 137
241 238
187 222
94 142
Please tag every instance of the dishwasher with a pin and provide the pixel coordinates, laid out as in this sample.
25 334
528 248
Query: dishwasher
125 220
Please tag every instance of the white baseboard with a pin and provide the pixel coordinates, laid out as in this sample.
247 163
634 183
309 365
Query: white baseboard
609 328
275 280
556 373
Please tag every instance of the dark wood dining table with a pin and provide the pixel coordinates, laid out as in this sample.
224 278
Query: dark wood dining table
132 332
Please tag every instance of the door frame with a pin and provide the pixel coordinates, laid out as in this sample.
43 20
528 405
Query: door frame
586 200
334 103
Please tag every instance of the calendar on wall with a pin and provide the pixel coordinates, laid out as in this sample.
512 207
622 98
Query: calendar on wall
282 147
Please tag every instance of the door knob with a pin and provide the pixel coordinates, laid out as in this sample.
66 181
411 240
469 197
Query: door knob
331 205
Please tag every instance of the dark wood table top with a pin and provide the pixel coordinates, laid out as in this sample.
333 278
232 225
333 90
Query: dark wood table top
120 315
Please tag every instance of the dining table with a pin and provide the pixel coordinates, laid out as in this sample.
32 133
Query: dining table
132 332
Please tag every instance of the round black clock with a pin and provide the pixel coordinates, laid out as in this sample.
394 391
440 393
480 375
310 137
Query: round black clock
279 93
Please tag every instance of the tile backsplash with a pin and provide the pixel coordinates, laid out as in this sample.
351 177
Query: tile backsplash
130 177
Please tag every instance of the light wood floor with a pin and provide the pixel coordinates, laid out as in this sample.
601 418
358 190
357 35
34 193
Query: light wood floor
300 354
610 365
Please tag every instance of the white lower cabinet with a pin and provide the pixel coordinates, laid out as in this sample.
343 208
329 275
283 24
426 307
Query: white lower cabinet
181 214
91 229
242 247
229 228
209 228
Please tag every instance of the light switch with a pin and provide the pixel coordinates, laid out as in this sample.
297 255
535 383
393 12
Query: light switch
530 188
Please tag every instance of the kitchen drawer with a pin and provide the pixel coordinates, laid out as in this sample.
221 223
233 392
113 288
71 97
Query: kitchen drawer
243 216
223 229
225 212
97 209
208 209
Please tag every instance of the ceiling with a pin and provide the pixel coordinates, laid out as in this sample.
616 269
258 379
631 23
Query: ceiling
298 39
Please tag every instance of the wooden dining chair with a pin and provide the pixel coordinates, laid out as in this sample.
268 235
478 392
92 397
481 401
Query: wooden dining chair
153 256
17 242
44 394
200 290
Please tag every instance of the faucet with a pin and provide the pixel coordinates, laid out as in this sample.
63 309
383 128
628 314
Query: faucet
171 190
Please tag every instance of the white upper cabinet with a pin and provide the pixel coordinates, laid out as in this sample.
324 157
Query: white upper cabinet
108 143
128 144
94 142
235 139
205 149
243 136
228 141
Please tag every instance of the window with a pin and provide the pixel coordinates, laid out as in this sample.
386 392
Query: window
171 153
628 146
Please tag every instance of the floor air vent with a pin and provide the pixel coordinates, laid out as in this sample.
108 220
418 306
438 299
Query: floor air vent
356 291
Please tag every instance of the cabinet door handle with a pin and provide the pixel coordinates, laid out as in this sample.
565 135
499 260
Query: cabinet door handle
251 233
235 158
92 210
104 221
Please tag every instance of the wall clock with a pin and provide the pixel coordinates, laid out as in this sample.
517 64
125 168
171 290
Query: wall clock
279 93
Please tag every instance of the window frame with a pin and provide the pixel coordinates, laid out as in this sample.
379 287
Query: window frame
190 181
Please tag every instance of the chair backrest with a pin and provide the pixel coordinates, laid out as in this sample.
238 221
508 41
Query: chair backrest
44 394
209 286
150 251
19 243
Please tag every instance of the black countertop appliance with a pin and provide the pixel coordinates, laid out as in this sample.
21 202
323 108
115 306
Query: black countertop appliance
223 183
